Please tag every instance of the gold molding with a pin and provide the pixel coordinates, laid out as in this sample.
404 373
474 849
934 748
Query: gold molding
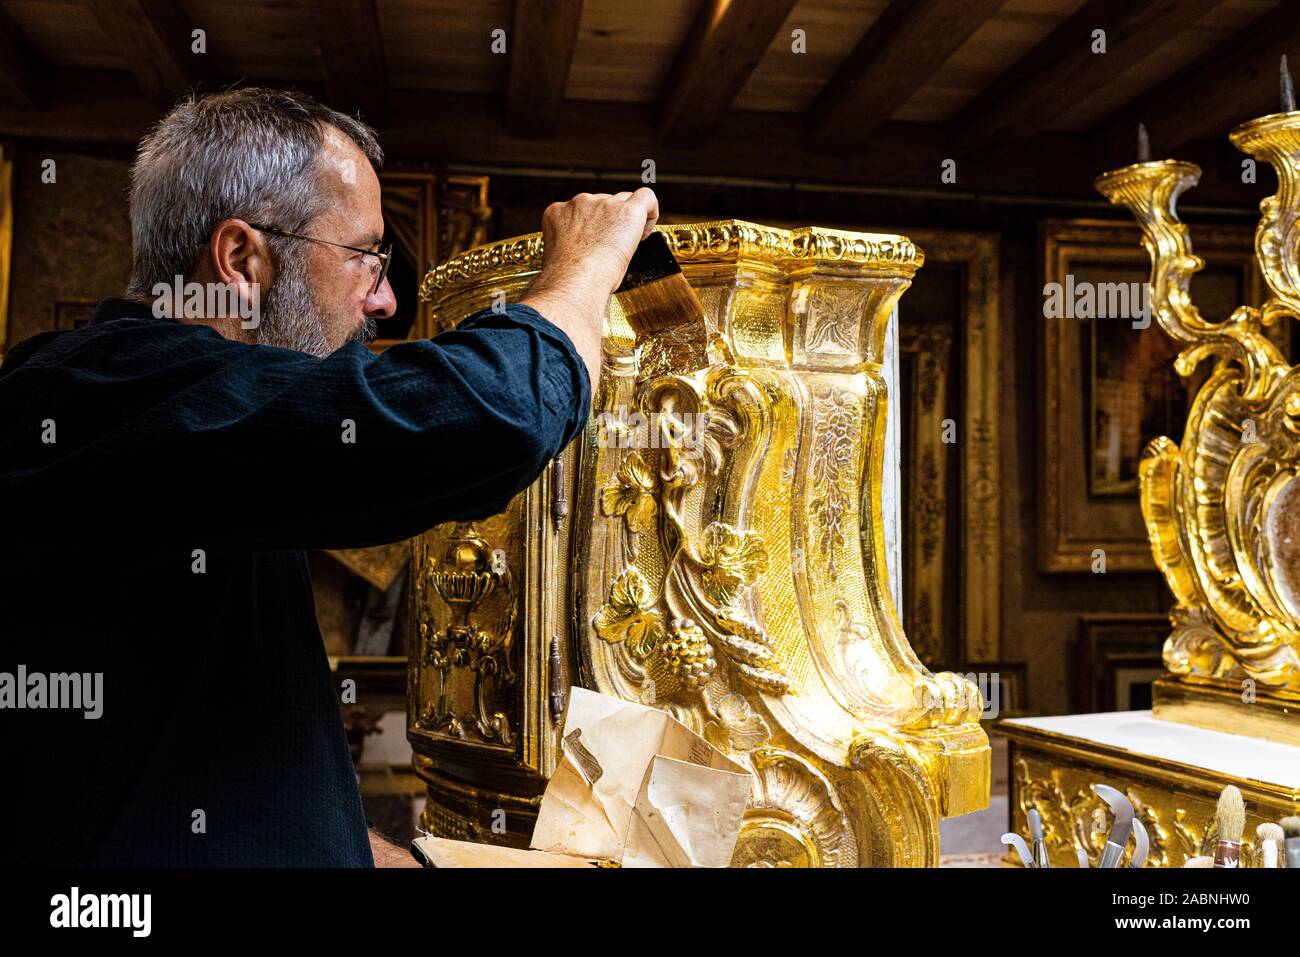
1205 703
714 242
926 521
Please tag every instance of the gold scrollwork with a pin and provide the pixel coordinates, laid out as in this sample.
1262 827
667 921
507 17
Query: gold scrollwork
1219 507
467 575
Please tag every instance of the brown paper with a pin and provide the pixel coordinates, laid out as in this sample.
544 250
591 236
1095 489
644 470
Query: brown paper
636 785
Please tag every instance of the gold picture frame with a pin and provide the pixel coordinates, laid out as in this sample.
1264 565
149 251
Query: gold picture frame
1079 521
979 341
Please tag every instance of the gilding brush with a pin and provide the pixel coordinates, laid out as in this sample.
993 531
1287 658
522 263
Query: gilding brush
1268 838
654 294
1199 862
1291 828
1229 822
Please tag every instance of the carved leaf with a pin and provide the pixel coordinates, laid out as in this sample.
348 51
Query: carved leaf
629 493
738 728
730 558
629 615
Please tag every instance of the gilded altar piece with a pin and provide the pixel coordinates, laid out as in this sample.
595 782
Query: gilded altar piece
1222 508
1175 802
697 550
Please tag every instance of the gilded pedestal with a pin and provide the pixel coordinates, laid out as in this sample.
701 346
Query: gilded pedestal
697 549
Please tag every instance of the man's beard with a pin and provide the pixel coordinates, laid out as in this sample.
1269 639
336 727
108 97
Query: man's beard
290 316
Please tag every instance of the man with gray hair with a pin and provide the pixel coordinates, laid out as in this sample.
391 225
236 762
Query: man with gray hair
176 456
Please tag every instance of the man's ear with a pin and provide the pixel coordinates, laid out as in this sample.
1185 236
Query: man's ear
241 259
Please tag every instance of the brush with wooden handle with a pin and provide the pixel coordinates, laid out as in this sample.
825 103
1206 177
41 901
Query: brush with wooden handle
663 311
1230 821
654 294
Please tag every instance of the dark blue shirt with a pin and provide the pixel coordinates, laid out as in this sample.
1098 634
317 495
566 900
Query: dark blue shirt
160 484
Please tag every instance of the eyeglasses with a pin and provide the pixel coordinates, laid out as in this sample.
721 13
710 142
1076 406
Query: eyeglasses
384 254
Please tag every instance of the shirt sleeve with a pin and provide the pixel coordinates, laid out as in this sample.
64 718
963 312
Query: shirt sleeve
190 440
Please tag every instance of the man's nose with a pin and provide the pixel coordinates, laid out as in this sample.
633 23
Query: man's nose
381 304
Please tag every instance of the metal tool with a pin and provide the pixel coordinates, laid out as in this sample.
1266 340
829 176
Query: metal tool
1018 842
1140 844
1122 808
1037 846
1083 857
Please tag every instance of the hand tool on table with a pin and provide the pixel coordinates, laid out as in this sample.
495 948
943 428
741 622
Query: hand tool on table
1037 846
1018 842
1122 808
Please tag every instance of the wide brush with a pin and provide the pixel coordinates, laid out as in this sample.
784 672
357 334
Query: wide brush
654 294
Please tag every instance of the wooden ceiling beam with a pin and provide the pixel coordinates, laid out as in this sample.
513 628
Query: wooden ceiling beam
24 74
155 39
906 45
725 44
611 139
1234 82
542 42
353 65
1051 76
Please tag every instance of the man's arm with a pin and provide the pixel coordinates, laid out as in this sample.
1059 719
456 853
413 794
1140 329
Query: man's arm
189 440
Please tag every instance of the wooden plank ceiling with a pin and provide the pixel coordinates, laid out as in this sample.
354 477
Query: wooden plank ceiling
842 91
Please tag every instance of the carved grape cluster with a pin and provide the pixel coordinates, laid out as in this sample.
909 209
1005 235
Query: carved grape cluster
688 653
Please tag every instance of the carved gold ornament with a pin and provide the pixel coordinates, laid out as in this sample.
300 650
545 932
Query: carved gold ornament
1222 508
714 566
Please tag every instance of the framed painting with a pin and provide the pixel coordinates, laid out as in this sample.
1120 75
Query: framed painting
1108 381
1117 658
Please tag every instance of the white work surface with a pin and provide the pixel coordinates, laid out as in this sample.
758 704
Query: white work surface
1141 734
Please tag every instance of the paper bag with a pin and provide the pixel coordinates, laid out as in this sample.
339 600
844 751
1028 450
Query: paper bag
635 785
